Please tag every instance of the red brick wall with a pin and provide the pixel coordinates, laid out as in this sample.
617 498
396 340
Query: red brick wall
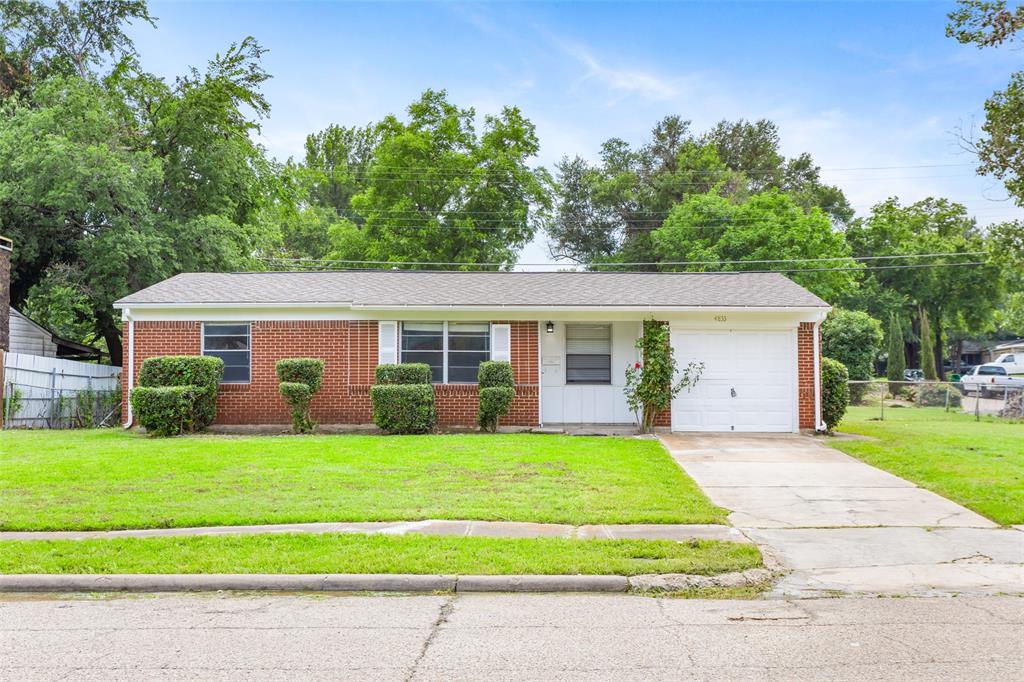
349 351
805 374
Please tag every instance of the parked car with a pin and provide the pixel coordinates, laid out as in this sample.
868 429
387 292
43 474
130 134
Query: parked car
913 375
989 379
1013 362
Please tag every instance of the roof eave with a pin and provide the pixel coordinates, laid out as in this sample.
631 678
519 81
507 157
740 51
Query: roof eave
122 305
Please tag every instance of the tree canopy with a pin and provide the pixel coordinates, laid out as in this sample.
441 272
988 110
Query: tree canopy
607 211
769 226
116 183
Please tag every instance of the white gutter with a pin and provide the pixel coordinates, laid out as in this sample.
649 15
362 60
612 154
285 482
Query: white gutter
819 421
131 365
524 308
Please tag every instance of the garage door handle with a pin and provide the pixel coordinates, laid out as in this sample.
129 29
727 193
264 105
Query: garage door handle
732 391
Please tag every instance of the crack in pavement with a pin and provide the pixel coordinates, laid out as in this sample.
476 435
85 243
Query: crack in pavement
442 618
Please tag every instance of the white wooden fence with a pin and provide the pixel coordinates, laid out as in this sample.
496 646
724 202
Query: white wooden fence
51 393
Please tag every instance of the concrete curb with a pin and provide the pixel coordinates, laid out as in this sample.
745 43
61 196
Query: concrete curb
542 583
380 582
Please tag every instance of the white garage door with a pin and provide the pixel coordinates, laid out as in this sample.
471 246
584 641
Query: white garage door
748 383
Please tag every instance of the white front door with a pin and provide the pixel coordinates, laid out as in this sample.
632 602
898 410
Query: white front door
748 383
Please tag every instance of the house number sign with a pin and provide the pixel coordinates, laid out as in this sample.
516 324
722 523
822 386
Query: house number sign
721 318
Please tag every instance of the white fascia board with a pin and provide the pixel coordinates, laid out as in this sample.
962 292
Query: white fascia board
341 311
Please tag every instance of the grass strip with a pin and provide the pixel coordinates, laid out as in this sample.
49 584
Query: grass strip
107 479
349 553
979 464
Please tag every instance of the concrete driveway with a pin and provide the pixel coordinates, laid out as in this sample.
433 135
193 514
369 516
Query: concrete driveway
839 525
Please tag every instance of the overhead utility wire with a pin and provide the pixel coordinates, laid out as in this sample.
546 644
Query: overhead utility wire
322 261
704 272
692 262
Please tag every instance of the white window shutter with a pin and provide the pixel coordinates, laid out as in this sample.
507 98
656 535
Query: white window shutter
501 342
387 343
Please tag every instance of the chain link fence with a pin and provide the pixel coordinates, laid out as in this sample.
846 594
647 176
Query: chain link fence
53 393
988 400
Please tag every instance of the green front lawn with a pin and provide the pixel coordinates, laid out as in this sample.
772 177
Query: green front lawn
977 464
107 479
308 553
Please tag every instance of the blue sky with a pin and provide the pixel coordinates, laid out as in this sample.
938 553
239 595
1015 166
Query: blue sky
858 85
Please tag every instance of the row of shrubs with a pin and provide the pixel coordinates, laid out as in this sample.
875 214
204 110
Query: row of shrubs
403 397
178 394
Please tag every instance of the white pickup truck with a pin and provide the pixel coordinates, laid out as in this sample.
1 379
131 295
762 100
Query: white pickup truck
1012 362
989 379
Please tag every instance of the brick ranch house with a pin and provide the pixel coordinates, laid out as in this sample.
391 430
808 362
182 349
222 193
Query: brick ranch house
569 336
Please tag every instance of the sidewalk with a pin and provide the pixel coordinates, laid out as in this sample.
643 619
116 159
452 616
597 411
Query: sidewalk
493 529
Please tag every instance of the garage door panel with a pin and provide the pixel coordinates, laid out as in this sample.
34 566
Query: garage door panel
748 383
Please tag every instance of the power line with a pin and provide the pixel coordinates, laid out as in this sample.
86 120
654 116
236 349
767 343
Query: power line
325 261
363 169
394 266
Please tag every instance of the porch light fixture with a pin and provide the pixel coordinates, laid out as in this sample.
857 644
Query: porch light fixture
549 327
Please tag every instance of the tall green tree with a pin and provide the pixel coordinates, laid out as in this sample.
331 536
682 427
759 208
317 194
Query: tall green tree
41 39
1000 148
719 232
436 190
607 211
897 362
130 180
953 295
927 348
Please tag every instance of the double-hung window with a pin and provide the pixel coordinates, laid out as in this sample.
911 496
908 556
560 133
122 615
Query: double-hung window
231 343
454 350
469 344
588 354
424 342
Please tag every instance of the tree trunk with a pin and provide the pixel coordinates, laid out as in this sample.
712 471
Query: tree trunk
940 362
112 335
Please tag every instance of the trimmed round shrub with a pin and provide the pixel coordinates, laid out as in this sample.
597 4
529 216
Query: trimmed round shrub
497 389
934 395
405 373
495 373
200 371
308 371
494 403
403 408
168 410
835 392
181 370
298 397
300 378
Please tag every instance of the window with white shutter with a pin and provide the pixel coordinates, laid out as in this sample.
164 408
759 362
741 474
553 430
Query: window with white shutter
588 354
501 342
387 343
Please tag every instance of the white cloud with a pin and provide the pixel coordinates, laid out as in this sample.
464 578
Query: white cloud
623 81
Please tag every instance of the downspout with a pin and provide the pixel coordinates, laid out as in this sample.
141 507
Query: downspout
818 420
540 380
131 365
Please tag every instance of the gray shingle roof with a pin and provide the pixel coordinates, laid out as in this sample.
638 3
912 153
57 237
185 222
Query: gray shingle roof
369 288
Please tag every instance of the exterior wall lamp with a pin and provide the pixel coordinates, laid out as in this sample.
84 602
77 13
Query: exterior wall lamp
549 327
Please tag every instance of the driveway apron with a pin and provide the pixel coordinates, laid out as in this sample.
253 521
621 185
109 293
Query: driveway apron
837 525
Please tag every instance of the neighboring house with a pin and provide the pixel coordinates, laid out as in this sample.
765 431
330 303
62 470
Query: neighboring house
31 338
569 335
993 352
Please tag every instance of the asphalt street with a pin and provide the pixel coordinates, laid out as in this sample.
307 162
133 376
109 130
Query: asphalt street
520 637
